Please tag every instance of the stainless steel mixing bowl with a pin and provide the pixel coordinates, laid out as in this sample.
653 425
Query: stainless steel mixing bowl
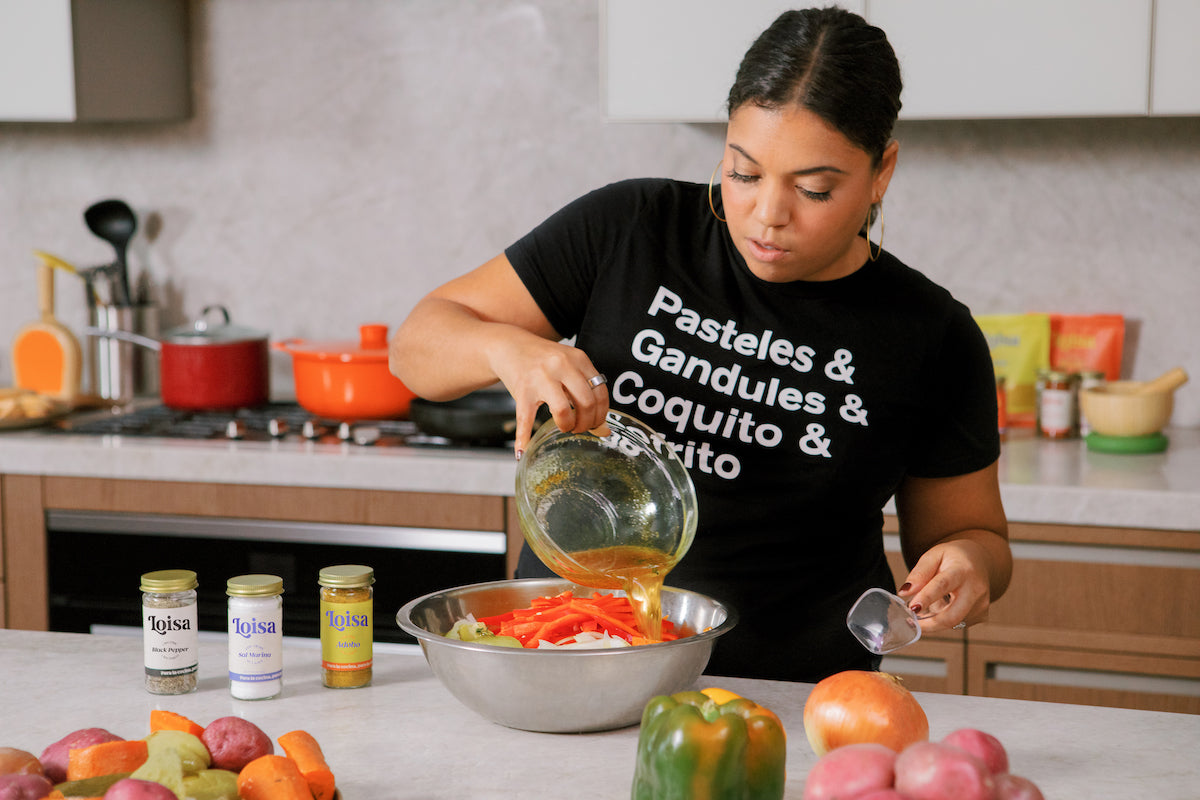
560 691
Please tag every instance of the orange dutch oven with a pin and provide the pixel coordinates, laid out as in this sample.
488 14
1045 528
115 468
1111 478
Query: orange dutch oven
347 380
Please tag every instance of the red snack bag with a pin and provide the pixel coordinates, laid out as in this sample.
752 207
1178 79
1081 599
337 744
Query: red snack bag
1087 342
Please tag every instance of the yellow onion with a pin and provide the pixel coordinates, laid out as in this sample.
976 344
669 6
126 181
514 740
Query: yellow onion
857 706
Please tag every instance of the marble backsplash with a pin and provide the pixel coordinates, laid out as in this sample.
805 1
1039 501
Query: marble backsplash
346 158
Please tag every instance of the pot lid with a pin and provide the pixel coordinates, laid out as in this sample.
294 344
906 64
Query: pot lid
371 347
205 331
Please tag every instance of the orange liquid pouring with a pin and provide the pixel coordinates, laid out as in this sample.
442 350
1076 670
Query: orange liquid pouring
640 571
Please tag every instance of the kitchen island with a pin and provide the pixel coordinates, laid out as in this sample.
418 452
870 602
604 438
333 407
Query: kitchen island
407 737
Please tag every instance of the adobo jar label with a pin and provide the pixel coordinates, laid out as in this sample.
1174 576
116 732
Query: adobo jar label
346 635
170 641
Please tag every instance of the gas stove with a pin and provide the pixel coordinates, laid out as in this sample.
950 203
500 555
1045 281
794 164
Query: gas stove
270 422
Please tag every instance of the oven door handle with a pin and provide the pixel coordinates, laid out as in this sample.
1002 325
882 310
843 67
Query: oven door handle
391 536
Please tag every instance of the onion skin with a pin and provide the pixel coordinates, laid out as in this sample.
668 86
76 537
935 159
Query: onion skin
860 707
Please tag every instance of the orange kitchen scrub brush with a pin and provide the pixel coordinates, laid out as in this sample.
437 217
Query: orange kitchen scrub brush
46 357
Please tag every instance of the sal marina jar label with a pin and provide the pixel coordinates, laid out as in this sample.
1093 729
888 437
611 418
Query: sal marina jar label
255 636
347 627
169 635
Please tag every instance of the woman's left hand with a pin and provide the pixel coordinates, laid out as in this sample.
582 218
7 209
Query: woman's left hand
948 588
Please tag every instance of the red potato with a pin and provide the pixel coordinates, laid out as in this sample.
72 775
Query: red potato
134 789
882 794
55 757
19 762
936 771
849 771
234 742
982 745
1014 787
24 787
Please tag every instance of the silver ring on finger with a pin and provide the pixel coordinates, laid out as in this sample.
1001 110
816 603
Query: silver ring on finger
960 625
597 380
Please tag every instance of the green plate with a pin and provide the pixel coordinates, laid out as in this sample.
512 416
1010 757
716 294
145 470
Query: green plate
1152 443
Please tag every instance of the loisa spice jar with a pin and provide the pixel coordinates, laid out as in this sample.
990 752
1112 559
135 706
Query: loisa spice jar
347 627
255 636
169 631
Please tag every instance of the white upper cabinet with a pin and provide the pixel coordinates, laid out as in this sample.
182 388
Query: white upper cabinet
1019 58
676 59
960 59
94 60
1175 88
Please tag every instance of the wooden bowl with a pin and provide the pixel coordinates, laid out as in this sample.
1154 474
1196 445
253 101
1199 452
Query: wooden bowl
1116 409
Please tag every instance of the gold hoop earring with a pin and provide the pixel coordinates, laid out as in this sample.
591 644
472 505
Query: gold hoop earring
711 178
874 256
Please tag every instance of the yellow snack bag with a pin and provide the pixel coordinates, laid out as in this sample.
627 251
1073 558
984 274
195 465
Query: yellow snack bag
1020 346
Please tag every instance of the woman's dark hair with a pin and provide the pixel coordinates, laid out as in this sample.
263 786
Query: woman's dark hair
830 62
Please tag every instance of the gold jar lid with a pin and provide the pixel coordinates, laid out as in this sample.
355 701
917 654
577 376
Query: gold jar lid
254 586
169 580
346 576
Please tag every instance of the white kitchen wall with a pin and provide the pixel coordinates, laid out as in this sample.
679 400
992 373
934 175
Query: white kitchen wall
346 157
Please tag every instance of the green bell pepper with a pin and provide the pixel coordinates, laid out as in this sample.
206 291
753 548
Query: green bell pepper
693 748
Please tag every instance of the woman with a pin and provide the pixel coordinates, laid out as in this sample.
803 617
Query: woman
803 373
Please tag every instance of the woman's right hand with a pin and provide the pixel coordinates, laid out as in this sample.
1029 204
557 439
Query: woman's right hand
539 371
485 327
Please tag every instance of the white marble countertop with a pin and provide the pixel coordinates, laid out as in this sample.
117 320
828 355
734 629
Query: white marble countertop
1041 481
407 737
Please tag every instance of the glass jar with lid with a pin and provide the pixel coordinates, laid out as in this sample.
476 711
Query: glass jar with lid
255 636
170 645
347 625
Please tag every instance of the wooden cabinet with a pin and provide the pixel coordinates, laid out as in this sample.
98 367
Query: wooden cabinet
1094 615
24 500
94 60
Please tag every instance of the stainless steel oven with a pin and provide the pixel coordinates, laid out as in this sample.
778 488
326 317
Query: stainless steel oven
96 559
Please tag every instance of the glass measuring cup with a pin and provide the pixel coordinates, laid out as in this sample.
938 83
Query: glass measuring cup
883 622
581 493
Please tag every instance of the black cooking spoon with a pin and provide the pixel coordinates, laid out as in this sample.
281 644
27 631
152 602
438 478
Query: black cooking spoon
115 222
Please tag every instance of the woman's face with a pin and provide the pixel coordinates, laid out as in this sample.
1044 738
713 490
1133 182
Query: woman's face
796 193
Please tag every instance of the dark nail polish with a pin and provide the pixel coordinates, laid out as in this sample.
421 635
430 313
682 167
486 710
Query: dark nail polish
916 608
905 588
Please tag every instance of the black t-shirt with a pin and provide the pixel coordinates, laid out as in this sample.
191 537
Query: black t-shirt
797 407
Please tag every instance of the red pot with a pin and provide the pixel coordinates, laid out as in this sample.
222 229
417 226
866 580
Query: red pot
348 380
214 367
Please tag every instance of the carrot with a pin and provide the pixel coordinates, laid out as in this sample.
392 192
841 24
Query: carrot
302 747
555 618
272 777
106 758
170 721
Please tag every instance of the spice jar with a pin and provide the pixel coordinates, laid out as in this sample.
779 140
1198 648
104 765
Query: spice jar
347 631
255 636
1056 406
169 631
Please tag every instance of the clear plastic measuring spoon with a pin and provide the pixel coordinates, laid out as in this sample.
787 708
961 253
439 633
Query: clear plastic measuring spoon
883 622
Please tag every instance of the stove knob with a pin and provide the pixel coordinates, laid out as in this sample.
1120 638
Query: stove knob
277 427
312 430
345 431
235 429
366 434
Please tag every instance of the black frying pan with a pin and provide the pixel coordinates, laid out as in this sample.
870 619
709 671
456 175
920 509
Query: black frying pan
485 416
